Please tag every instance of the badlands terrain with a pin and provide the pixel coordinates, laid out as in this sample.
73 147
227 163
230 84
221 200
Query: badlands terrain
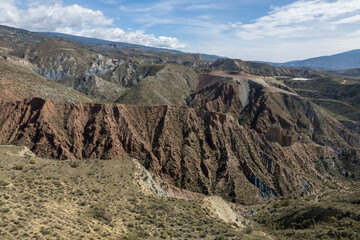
105 141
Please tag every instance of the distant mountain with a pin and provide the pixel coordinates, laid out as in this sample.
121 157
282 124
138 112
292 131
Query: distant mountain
206 57
345 60
101 41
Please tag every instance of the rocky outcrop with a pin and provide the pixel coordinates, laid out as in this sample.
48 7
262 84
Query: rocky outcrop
52 74
56 59
95 86
241 136
65 63
131 73
196 150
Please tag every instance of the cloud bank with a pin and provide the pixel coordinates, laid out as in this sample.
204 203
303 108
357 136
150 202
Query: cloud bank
77 20
302 18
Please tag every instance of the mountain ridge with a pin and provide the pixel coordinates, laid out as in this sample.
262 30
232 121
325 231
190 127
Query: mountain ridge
340 61
206 57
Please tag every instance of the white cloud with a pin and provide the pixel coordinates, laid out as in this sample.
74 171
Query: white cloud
299 30
166 6
48 17
119 35
77 20
301 18
348 20
202 6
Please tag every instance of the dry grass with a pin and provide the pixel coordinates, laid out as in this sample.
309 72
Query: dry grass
93 199
332 215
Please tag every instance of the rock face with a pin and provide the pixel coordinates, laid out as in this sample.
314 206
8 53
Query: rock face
281 115
75 67
56 59
131 73
197 150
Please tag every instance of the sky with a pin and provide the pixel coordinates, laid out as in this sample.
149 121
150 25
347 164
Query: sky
260 30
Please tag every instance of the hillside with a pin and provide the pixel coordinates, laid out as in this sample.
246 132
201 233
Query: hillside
112 73
17 83
112 199
340 97
350 74
262 69
100 199
262 103
169 86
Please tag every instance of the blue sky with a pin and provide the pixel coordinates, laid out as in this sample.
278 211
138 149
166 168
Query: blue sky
247 29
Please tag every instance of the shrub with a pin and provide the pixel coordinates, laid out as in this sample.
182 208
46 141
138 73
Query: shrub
248 230
325 237
18 166
74 164
100 212
3 183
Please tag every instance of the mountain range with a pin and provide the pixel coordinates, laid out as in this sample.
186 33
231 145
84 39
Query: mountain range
340 61
129 46
119 134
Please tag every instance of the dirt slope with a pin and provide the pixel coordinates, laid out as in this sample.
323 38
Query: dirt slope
94 199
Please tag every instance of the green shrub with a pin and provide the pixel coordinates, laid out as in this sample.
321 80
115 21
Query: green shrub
101 212
248 230
325 237
3 183
18 166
